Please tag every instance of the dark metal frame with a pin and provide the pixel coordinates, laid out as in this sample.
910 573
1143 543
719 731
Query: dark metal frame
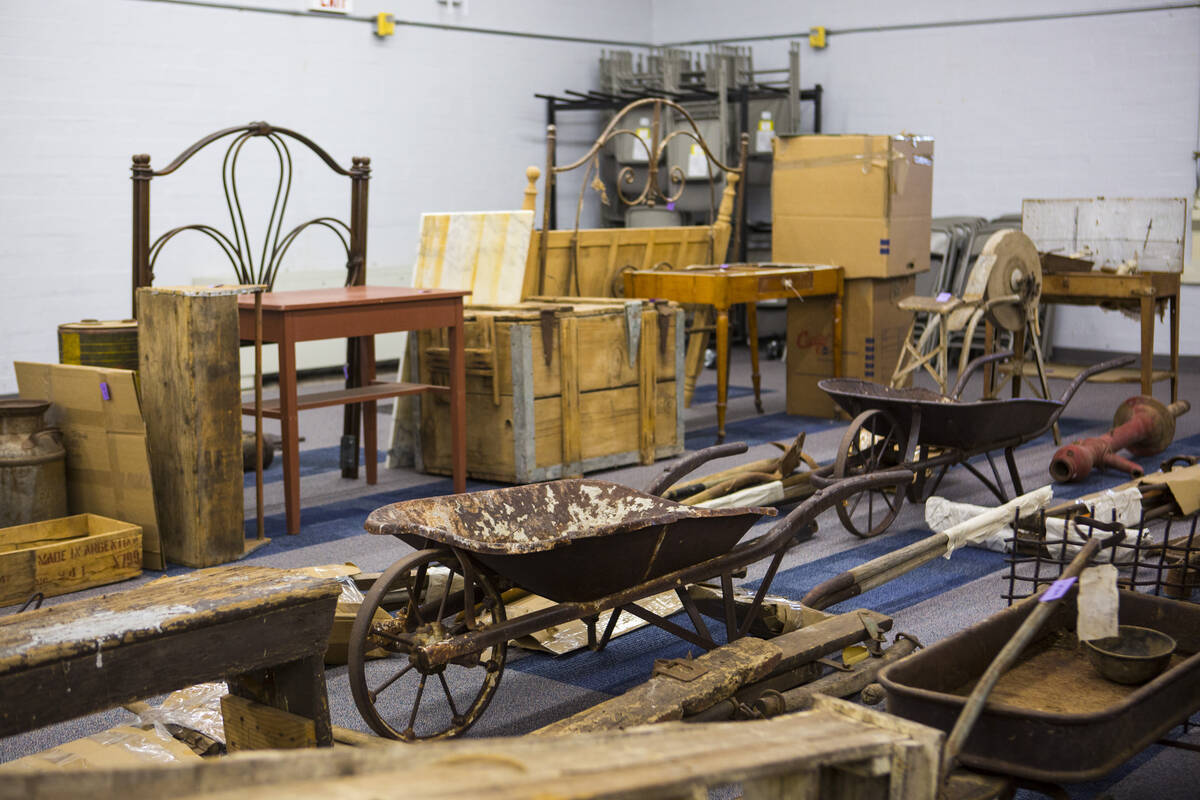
606 101
275 244
238 249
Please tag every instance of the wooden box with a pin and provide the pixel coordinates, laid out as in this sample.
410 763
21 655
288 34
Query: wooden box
67 554
557 387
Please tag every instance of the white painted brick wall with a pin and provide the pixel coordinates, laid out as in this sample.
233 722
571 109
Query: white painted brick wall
448 119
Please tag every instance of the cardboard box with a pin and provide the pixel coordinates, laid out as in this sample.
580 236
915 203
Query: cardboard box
121 747
67 554
861 202
108 464
873 331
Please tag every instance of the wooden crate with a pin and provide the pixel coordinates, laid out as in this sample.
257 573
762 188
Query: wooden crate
558 387
67 554
192 402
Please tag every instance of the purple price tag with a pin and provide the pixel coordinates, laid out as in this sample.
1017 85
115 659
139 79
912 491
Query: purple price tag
104 392
346 371
943 297
670 206
1057 589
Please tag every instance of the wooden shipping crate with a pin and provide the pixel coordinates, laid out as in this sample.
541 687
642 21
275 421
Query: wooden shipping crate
558 387
67 554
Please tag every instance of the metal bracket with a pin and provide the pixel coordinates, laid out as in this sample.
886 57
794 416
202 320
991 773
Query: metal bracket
681 669
875 637
633 328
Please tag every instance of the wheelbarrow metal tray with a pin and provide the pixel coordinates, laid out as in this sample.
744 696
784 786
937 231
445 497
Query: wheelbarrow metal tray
557 539
973 426
1058 747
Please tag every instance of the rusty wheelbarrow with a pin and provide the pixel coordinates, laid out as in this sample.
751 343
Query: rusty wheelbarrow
928 433
588 545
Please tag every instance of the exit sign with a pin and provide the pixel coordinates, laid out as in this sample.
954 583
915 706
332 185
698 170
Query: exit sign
332 6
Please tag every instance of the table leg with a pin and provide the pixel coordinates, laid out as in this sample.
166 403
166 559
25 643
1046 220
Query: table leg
722 369
1148 345
370 422
458 401
1173 301
297 687
289 419
752 340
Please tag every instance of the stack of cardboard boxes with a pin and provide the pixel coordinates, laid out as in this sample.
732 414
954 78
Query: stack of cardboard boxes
862 203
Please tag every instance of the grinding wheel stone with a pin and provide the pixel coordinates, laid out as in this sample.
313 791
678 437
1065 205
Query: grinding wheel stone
1015 269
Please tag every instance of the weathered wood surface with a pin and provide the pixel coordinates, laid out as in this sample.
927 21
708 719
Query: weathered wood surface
67 554
192 403
250 725
773 758
83 656
665 697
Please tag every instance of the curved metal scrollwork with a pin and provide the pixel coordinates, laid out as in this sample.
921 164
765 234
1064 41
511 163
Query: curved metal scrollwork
252 264
652 192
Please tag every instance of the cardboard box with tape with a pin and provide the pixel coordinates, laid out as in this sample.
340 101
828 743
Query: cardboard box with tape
861 202
873 331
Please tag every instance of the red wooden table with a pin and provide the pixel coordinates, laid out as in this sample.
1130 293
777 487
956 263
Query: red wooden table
354 312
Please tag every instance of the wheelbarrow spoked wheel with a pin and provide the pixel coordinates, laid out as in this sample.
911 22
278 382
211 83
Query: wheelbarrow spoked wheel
872 443
419 601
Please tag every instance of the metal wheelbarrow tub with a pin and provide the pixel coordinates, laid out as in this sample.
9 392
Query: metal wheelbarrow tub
966 425
569 540
1053 746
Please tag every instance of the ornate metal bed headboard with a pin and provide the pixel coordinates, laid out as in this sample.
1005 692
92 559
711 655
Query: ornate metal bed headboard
653 191
275 242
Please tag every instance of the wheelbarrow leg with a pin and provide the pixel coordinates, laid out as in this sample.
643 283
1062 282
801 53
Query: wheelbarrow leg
1012 471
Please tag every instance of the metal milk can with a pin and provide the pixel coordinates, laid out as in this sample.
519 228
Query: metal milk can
33 471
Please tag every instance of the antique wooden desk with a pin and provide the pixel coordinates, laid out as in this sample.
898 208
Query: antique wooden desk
357 312
726 285
1139 292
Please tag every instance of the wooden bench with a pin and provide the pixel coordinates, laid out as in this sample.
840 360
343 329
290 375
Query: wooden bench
263 630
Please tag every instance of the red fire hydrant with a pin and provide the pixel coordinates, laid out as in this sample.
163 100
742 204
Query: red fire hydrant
1142 424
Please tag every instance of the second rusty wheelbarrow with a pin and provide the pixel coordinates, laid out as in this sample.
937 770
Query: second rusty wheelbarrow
928 433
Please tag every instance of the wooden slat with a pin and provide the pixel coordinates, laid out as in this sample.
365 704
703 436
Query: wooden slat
254 726
568 337
664 697
358 394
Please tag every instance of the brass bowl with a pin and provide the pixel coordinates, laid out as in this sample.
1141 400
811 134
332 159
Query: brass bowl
1134 655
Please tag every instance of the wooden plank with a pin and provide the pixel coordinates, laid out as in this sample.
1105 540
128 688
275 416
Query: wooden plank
648 385
569 366
1070 371
108 463
254 726
662 761
519 438
665 697
94 654
191 398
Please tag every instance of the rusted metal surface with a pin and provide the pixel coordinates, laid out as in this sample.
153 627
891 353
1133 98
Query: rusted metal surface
1142 424
33 475
1078 742
633 566
542 516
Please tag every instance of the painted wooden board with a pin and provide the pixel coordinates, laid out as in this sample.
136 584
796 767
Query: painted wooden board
1153 230
483 252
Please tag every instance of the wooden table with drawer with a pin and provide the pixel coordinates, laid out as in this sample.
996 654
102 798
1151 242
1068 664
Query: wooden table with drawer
729 284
